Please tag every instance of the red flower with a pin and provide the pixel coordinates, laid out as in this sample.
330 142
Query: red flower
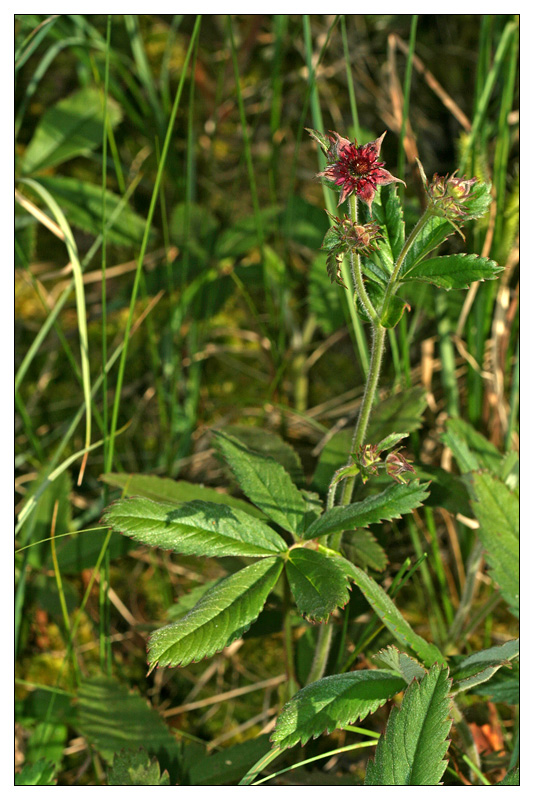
356 170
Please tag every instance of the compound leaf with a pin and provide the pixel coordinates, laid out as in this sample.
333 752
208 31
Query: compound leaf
221 616
197 528
411 751
333 702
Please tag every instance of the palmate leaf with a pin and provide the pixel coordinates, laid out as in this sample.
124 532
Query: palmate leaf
198 528
411 751
392 503
318 582
497 509
219 618
391 617
454 272
168 490
265 482
480 667
333 702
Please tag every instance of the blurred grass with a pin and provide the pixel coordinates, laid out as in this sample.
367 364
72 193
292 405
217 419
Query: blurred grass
210 316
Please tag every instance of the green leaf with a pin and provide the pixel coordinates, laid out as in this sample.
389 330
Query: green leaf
73 127
197 528
391 617
219 618
412 750
111 718
82 203
392 503
362 548
39 774
387 211
471 450
480 667
269 444
333 702
503 687
228 765
136 768
401 663
168 490
433 233
393 313
510 779
319 584
265 482
454 272
324 298
497 509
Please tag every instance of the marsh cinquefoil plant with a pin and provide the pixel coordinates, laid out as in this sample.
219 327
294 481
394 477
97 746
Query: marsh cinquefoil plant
288 534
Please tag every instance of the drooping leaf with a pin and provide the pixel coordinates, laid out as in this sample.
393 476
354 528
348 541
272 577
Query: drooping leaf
111 718
497 509
412 750
82 204
480 667
219 618
333 702
400 663
41 773
188 600
197 528
319 583
136 768
72 127
265 482
458 271
167 490
391 617
392 503
362 549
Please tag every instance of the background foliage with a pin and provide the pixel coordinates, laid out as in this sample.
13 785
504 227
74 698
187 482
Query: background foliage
216 312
